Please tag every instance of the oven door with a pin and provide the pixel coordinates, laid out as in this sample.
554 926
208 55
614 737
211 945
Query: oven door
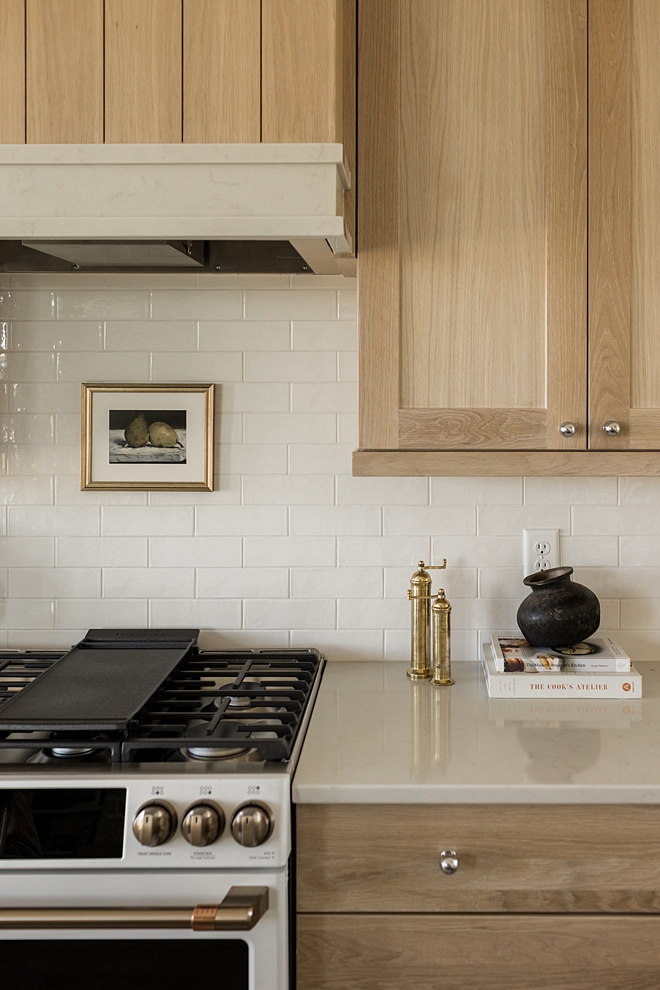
97 929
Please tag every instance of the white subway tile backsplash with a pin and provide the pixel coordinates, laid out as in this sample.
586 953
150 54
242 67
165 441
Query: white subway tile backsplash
29 306
149 520
426 520
155 335
337 582
200 304
241 520
291 614
27 491
195 613
18 551
101 305
510 520
55 582
242 335
291 366
571 491
318 335
243 582
335 397
20 366
336 520
289 549
148 582
53 520
290 428
61 336
221 366
196 551
303 304
88 613
80 551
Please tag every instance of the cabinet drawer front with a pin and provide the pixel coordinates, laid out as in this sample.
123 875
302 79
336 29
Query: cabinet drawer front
477 952
538 858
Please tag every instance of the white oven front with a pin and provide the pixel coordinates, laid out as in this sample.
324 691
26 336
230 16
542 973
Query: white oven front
52 930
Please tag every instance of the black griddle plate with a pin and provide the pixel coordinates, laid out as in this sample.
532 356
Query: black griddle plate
102 684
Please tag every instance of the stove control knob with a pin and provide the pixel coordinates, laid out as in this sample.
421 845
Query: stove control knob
155 823
252 824
203 823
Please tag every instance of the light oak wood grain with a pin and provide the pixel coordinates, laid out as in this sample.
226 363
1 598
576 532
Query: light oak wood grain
12 72
143 61
221 71
471 429
301 70
472 162
64 71
477 952
475 463
610 190
523 858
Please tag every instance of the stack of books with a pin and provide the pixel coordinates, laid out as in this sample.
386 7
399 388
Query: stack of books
598 668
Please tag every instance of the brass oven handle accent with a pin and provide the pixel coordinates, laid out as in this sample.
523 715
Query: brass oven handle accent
238 912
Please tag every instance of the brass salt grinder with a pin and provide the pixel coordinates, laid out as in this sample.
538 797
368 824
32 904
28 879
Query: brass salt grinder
421 612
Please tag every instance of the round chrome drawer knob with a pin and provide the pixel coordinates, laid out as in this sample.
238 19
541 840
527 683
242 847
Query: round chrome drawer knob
612 429
568 429
154 823
203 824
252 825
449 861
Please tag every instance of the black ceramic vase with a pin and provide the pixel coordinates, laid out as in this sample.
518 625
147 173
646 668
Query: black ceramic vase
558 612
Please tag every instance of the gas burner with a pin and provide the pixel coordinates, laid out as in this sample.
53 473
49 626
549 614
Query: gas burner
214 753
67 750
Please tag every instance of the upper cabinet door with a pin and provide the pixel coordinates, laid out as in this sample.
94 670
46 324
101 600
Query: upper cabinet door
472 137
221 71
624 224
12 72
143 54
64 71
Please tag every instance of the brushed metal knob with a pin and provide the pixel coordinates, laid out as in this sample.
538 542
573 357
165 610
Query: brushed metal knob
203 823
449 861
252 825
154 823
568 429
612 429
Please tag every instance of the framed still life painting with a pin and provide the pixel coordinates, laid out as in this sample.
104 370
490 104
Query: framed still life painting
147 437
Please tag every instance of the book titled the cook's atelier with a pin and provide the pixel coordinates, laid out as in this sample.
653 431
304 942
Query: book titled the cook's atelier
597 655
561 683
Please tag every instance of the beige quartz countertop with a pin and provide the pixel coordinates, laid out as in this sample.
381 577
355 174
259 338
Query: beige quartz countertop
375 737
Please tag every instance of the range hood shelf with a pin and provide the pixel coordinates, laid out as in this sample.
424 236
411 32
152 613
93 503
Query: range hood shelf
200 193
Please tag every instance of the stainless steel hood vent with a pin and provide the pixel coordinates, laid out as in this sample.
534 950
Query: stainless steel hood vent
169 207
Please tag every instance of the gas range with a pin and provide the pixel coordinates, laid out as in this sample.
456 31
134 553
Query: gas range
140 778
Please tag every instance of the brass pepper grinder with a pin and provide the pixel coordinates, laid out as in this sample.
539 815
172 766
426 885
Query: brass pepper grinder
440 616
419 594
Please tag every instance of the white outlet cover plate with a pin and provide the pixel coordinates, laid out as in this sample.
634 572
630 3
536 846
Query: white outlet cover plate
535 555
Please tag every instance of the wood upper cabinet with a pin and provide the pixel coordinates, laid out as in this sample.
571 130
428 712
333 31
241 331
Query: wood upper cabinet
165 71
474 157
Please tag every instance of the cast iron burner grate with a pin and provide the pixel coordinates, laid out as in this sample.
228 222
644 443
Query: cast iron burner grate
215 702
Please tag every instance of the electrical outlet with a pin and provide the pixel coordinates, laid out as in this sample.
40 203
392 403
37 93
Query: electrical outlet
540 550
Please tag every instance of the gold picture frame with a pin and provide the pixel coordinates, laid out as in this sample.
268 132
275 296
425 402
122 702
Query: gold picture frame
147 437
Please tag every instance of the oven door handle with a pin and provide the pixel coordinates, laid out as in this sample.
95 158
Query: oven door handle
240 911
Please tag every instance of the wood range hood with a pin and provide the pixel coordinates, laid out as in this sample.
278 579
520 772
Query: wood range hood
230 208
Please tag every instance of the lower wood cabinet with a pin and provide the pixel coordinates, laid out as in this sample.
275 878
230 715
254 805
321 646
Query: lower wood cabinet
545 896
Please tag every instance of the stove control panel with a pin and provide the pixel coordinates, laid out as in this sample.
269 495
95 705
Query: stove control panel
230 821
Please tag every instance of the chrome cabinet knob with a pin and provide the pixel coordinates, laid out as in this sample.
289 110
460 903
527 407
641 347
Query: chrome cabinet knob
202 824
568 429
252 825
449 861
612 429
154 823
